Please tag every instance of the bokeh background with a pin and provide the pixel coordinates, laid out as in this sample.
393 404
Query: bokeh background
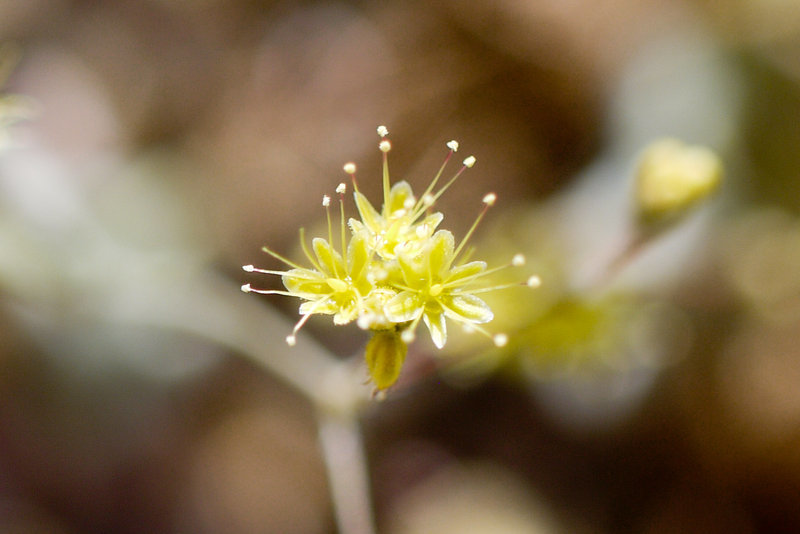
172 139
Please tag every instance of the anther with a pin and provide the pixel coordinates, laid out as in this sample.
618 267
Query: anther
408 336
469 162
383 131
341 188
489 199
349 167
326 200
518 260
453 145
291 340
385 146
534 281
500 340
246 288
248 268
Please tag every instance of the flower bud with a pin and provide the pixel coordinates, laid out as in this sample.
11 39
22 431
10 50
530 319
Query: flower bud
386 352
672 177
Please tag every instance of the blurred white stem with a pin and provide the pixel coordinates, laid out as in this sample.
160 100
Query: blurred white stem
345 457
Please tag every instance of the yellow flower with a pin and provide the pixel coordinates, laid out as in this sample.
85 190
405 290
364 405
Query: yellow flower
332 286
433 289
397 228
398 270
672 177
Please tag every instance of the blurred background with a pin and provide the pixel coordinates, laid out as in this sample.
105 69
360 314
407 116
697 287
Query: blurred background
168 140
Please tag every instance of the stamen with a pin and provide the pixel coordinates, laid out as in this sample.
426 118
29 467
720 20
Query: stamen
326 201
249 289
385 146
291 339
343 224
491 197
307 252
253 269
285 260
427 199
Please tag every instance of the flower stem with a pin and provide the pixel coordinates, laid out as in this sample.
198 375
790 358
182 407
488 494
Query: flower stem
345 458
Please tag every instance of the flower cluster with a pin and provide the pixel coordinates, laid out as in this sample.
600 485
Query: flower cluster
394 268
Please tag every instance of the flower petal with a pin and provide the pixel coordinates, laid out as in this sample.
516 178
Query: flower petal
370 217
329 260
462 272
468 308
398 195
433 220
440 254
322 306
305 283
357 258
435 322
403 307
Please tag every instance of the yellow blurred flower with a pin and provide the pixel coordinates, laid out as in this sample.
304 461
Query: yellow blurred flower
672 177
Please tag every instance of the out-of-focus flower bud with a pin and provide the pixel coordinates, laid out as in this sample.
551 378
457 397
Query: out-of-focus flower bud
672 177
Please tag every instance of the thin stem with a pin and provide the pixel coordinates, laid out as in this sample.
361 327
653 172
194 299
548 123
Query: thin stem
346 461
